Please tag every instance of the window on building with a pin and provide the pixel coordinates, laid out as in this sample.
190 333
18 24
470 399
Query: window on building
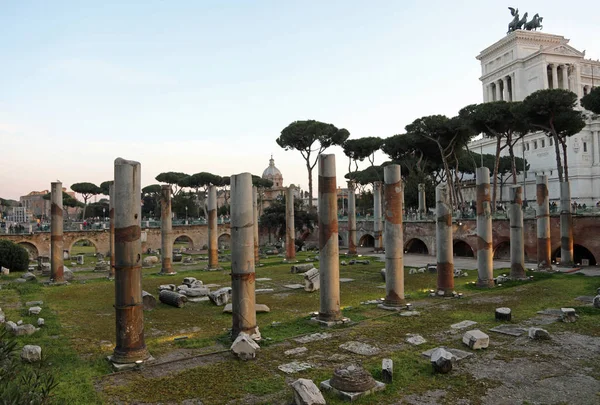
551 142
585 146
527 146
543 143
534 144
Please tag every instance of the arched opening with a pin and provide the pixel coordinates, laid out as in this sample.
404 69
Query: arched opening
224 241
502 251
462 249
367 241
31 249
183 243
581 256
416 246
84 248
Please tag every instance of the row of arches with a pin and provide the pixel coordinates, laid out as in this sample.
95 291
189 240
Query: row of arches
463 249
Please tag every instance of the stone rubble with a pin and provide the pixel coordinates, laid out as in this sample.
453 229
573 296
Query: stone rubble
41 322
538 334
476 339
442 360
463 324
31 353
297 350
360 348
244 347
387 370
221 296
35 310
307 393
415 339
294 367
312 280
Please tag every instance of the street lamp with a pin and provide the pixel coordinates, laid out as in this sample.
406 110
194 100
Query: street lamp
104 213
186 217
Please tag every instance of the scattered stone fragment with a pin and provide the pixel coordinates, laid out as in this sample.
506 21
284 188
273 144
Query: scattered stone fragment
313 337
221 296
352 378
294 367
387 370
168 287
346 280
343 263
198 299
259 308
31 353
568 315
457 353
177 257
538 334
34 303
360 348
21 330
10 326
212 285
476 339
415 339
297 350
20 280
503 314
412 271
307 393
197 291
463 324
172 298
148 300
301 268
263 279
29 276
2 316
508 330
4 271
19 322
596 301
312 280
244 347
371 302
588 299
35 310
501 279
410 313
263 290
442 360
68 274
190 281
294 286
41 322
421 270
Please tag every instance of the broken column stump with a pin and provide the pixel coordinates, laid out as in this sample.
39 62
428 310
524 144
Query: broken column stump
503 314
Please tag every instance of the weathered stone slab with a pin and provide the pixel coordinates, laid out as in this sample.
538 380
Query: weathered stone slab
31 353
307 393
550 312
476 339
351 396
442 360
263 290
313 337
212 285
34 303
588 299
568 315
457 353
360 348
387 370
263 279
415 339
508 330
259 308
538 334
35 310
198 299
346 280
463 324
294 286
296 351
294 367
244 347
410 313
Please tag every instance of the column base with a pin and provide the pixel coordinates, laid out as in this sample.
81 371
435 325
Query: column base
55 283
133 357
330 323
208 268
165 273
389 307
445 292
128 366
485 283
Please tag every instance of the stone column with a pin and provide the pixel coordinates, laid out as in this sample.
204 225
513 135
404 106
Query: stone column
544 258
329 263
422 205
394 240
485 267
351 219
290 230
377 225
566 225
130 344
516 96
565 76
545 75
111 217
213 237
554 76
517 242
443 241
166 230
56 233
255 218
242 257
505 95
578 89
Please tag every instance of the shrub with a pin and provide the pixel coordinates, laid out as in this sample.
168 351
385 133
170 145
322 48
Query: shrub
13 256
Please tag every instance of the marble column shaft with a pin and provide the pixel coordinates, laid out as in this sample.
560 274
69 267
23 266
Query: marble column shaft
566 225
351 219
517 242
485 274
290 230
213 237
394 238
377 225
443 241
544 258
166 230
111 217
56 233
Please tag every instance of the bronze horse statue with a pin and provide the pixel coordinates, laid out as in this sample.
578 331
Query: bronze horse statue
535 23
516 23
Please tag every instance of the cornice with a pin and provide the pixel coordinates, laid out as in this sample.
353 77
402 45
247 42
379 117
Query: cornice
522 36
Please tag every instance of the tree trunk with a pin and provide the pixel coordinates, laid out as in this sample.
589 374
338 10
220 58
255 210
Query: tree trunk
495 175
310 186
513 165
565 165
558 159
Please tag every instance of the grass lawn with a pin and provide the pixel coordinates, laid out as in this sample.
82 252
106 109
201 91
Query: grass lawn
80 333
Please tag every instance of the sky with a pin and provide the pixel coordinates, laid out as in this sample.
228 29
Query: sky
193 86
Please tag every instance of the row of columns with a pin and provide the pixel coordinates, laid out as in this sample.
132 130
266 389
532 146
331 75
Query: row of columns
501 89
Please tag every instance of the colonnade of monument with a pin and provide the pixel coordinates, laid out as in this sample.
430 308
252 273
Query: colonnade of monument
126 246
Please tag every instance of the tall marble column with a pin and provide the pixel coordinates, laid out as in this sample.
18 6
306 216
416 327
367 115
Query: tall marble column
130 343
443 241
545 75
485 265
578 89
499 90
517 242
351 219
554 76
394 238
111 217
256 235
505 96
566 225
290 230
56 233
329 261
377 225
242 257
166 230
544 258
565 76
213 237
422 205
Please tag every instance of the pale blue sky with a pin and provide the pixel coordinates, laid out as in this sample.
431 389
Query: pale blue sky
196 86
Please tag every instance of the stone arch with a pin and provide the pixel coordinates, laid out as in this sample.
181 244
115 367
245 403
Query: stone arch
31 248
462 248
416 245
80 239
184 238
580 253
502 250
367 240
224 240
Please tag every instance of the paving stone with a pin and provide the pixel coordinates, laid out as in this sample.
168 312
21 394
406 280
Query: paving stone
508 330
415 339
34 303
297 350
313 337
294 367
476 339
410 313
263 279
457 353
307 393
360 348
588 299
463 324
346 280
294 286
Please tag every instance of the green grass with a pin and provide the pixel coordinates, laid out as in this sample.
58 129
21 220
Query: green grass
80 332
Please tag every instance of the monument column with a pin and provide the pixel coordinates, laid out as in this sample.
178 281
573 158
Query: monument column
377 226
545 75
505 95
213 249
485 274
56 233
422 205
256 236
242 257
566 225
166 231
517 246
578 89
329 261
130 344
111 217
290 230
443 241
351 219
565 76
499 90
544 259
554 76
394 239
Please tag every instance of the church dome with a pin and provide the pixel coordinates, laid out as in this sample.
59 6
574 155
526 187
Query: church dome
272 173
